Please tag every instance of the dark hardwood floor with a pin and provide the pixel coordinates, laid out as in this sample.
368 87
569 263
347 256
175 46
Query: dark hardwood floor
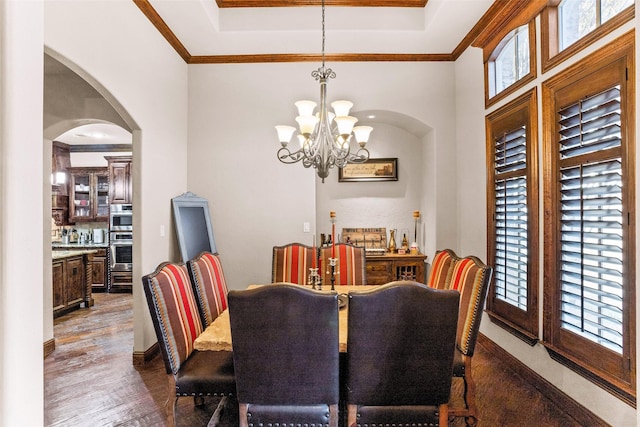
90 380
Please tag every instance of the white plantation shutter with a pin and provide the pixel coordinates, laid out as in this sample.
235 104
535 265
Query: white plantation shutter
592 220
510 188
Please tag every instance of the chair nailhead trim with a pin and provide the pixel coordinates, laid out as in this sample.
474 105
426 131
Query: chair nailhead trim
203 394
398 425
286 424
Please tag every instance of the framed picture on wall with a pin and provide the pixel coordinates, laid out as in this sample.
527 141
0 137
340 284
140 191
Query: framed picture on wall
372 170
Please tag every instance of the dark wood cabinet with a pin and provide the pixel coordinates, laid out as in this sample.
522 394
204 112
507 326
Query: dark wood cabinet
387 268
60 209
120 188
75 281
100 274
121 281
89 194
70 287
59 280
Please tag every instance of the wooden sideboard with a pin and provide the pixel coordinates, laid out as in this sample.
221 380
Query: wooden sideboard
386 268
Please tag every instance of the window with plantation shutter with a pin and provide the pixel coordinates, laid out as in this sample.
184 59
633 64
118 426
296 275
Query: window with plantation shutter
589 266
591 219
513 201
511 218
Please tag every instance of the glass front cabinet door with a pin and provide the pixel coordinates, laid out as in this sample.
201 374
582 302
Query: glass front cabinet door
89 200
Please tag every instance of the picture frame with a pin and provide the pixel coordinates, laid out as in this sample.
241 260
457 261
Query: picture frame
382 169
193 225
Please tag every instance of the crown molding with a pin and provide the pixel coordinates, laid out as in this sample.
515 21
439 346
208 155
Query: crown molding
336 57
497 13
296 3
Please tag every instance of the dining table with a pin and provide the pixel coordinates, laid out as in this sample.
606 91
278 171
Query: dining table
217 336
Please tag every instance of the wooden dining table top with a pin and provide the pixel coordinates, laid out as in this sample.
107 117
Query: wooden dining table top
217 336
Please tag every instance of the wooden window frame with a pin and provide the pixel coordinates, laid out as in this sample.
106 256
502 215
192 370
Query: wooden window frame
490 100
550 33
521 111
612 63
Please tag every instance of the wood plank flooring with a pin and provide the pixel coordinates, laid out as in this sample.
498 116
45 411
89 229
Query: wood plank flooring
90 380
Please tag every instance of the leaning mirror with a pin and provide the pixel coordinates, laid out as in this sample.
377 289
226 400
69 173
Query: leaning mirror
193 225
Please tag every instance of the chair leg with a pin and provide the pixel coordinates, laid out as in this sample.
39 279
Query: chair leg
443 415
352 413
170 407
215 418
469 394
242 415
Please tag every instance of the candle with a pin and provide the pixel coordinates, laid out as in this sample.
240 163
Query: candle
314 251
332 214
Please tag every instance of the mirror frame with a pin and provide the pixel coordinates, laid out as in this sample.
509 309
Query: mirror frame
180 203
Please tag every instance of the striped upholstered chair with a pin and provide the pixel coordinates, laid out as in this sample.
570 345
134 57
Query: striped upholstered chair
471 278
442 269
174 312
209 285
291 263
351 268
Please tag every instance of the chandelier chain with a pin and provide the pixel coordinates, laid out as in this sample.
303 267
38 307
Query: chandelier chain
323 34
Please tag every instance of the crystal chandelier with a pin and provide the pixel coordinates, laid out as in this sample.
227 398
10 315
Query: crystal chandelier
324 137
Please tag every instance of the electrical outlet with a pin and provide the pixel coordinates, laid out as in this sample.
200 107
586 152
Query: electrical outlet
306 227
162 231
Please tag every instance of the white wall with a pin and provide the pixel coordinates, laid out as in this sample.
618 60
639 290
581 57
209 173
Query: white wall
388 204
93 159
21 213
135 69
258 202
472 222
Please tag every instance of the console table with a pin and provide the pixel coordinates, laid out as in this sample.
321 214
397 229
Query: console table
386 268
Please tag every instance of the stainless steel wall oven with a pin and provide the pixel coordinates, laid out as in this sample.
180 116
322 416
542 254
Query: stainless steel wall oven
121 218
121 243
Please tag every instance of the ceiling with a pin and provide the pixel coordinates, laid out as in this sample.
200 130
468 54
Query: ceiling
210 31
96 134
202 30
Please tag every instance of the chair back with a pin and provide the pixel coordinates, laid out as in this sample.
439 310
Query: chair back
351 268
286 354
291 263
471 278
209 285
174 312
400 341
442 269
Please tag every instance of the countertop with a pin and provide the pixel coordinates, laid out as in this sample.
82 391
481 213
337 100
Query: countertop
56 255
60 245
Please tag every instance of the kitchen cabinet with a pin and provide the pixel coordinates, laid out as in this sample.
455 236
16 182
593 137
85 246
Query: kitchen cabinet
100 275
120 185
59 279
89 194
60 209
387 268
71 289
121 281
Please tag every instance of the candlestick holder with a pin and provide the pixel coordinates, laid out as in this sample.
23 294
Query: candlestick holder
333 262
314 279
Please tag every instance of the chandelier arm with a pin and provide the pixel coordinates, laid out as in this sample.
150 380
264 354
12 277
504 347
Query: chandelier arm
360 156
286 156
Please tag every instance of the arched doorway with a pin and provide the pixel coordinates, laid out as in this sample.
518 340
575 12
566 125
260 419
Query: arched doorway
74 102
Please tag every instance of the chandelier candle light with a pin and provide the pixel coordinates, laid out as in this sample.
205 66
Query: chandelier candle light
326 136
